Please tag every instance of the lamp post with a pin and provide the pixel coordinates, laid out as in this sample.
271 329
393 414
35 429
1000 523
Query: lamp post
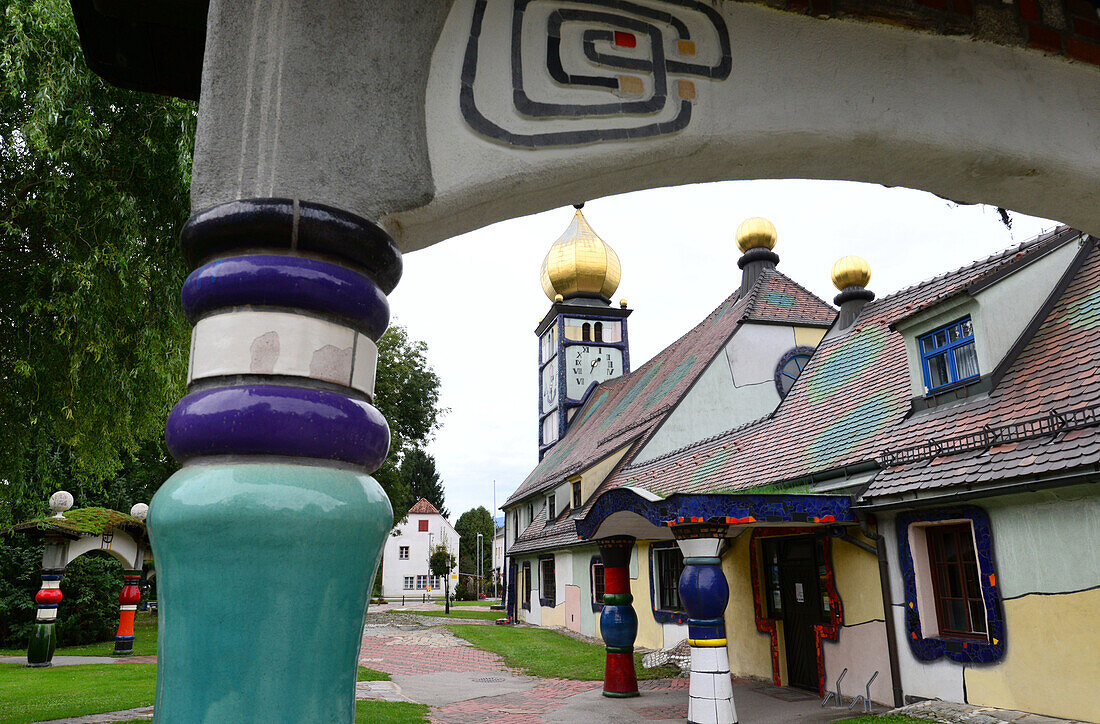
479 566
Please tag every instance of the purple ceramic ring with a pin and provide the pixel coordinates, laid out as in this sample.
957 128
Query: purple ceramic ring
276 420
287 281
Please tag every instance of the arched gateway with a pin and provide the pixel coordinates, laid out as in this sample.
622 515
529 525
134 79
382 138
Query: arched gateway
335 135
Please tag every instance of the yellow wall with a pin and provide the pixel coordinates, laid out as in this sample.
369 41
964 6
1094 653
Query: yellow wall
593 476
1050 664
857 581
650 633
808 336
749 650
553 616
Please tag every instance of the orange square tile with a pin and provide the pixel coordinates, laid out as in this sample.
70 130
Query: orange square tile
685 89
631 84
686 47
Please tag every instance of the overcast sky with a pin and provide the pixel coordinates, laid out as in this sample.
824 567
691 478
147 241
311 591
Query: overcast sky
476 299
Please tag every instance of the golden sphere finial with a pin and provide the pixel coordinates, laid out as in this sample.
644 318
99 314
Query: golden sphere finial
580 262
622 303
851 271
755 233
559 298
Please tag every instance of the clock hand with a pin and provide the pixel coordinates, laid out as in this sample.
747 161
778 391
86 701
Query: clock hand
595 362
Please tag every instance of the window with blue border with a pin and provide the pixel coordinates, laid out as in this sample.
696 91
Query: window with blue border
526 586
666 563
936 558
948 355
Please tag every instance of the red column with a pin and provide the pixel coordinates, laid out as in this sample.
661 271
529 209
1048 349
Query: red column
128 600
618 621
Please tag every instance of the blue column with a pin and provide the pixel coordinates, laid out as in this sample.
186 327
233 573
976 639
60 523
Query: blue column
267 540
705 593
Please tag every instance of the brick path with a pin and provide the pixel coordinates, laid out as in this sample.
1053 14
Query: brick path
425 652
521 708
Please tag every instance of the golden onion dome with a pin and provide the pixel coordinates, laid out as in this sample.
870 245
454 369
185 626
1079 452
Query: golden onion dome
580 262
851 271
756 233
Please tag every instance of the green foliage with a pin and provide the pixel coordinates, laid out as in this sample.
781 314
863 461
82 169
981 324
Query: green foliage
441 560
546 653
93 190
420 478
85 520
407 393
20 562
89 609
469 524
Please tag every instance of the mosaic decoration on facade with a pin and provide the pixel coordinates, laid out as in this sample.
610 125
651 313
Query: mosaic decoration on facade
610 70
728 509
963 651
828 631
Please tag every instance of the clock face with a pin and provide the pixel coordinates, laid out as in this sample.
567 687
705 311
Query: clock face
550 385
586 364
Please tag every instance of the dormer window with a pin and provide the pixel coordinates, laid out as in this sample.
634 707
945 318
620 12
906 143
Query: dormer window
551 507
948 355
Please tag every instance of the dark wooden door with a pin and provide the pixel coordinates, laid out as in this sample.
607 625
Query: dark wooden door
801 609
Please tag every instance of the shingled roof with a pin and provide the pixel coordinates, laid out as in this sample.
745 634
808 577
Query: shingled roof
626 409
423 507
850 404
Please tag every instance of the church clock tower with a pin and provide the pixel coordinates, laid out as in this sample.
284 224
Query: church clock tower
582 339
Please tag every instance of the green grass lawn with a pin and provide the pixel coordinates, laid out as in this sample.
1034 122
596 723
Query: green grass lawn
486 602
145 642
29 695
541 652
482 615
366 674
390 712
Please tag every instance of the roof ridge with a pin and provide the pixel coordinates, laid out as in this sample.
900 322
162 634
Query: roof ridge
802 288
1003 255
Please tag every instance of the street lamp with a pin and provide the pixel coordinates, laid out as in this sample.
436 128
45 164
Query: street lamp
479 557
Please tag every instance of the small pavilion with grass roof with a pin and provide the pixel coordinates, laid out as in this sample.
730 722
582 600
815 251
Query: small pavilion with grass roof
70 533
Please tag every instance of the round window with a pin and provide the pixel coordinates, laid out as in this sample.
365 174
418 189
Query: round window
790 367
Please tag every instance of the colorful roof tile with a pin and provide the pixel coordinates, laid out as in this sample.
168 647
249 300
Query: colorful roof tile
624 410
852 401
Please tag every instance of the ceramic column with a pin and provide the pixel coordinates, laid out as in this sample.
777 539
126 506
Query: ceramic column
277 438
128 599
704 594
44 638
618 621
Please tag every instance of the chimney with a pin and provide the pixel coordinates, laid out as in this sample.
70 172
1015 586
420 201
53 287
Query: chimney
756 238
851 274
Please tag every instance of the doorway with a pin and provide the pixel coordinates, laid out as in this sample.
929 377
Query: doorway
795 569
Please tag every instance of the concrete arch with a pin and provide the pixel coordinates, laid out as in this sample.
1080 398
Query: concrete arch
117 543
768 94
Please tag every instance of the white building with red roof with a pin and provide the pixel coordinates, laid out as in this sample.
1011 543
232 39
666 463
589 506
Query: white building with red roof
405 570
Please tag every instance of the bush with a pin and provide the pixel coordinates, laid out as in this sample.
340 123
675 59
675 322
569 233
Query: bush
88 611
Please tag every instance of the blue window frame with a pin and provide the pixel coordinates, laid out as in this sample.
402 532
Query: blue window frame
948 355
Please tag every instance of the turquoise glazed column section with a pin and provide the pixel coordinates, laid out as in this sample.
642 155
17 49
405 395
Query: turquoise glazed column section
618 621
267 541
705 593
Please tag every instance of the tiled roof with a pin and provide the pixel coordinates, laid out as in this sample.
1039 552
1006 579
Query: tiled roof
850 403
1057 372
625 409
423 507
777 298
539 536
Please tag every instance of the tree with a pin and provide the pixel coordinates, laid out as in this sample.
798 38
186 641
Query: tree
407 393
420 477
442 562
93 190
470 523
